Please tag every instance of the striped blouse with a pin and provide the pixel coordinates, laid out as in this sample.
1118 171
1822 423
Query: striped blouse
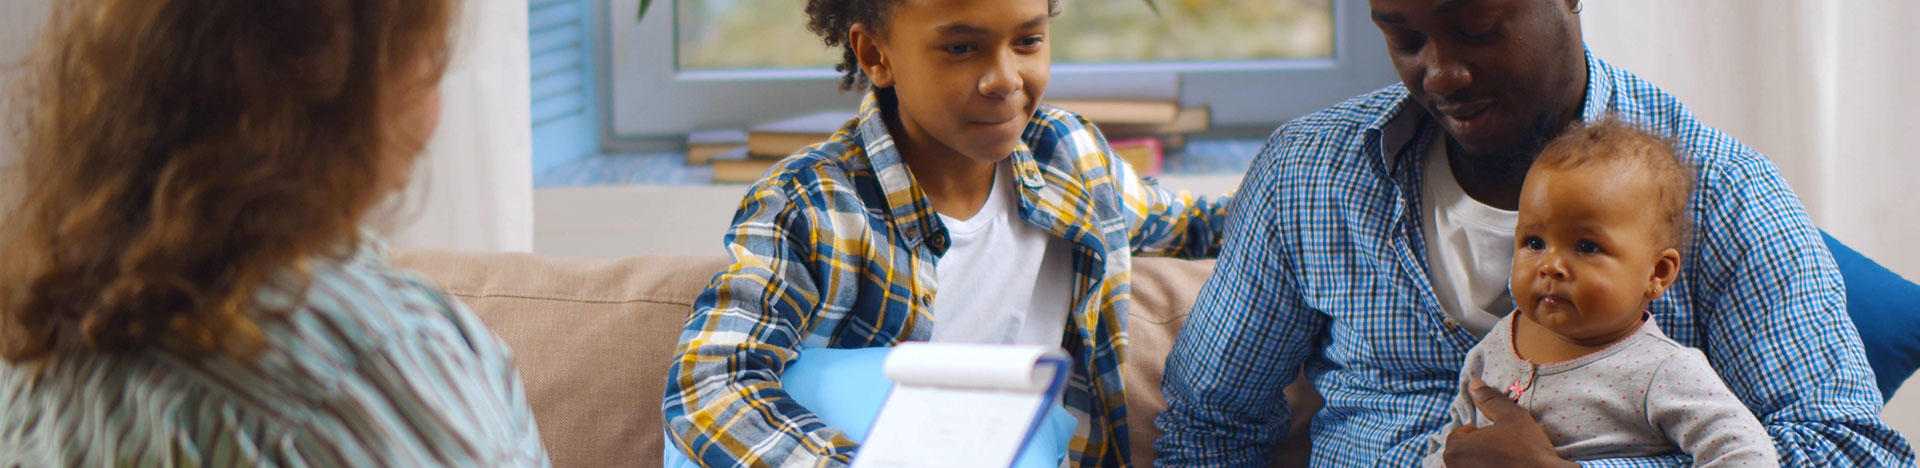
377 368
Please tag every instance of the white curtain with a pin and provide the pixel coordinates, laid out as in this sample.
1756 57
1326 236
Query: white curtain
1822 87
20 25
473 189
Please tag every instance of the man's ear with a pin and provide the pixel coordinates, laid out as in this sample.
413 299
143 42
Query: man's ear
1665 273
871 54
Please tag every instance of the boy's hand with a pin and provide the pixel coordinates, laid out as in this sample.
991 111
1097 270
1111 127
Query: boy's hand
1513 440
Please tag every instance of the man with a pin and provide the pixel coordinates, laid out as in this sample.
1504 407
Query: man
1371 242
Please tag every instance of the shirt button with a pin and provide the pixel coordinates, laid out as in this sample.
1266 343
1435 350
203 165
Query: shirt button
1451 323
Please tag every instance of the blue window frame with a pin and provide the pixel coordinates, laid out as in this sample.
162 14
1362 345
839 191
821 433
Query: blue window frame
562 44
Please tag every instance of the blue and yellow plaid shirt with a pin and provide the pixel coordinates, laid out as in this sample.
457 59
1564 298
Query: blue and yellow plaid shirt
836 248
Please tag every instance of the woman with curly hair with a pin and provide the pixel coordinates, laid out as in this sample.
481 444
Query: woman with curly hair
955 207
186 279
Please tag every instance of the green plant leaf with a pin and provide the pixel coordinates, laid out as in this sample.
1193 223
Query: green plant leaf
1150 5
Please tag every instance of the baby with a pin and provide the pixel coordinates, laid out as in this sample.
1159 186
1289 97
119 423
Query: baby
1603 216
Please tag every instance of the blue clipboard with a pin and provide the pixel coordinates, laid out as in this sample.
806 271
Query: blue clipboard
846 388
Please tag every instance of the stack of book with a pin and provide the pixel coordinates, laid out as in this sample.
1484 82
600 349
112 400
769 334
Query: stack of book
740 157
1142 131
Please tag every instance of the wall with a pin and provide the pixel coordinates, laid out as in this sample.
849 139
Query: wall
1822 90
474 186
1809 84
20 24
473 189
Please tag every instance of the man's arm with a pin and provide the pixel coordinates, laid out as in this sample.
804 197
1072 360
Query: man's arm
1770 310
724 405
1244 342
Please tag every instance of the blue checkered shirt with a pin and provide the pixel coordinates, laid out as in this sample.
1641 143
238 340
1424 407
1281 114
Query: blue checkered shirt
1324 267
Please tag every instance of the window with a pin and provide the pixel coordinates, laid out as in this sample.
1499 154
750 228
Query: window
692 64
757 34
565 113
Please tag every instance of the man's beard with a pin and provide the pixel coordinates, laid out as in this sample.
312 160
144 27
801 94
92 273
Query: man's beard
1512 162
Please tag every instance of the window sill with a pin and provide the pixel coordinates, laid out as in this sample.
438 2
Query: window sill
1200 160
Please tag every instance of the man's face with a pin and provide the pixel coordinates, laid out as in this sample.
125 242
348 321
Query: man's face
1496 74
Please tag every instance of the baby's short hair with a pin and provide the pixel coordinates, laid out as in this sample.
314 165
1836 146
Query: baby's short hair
1614 142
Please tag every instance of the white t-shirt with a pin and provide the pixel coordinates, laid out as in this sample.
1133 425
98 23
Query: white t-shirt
1469 247
1003 280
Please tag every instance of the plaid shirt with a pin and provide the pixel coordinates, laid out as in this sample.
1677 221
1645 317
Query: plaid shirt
1325 268
836 248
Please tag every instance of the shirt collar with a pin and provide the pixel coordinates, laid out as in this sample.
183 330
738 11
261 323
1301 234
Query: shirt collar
1401 124
905 202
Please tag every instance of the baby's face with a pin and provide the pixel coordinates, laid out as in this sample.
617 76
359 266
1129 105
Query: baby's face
1585 250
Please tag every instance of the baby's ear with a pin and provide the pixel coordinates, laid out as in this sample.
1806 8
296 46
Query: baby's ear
1665 272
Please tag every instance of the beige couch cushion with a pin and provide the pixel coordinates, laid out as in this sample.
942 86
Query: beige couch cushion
593 339
1163 292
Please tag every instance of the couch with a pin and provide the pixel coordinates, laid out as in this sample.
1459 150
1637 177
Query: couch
593 338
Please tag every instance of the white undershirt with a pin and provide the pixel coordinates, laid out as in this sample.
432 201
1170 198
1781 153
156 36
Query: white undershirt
1469 247
1003 280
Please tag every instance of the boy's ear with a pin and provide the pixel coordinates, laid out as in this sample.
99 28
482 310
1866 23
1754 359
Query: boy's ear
1665 272
873 60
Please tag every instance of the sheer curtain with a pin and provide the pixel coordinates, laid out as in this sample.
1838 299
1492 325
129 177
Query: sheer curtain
1822 87
20 25
1819 86
473 189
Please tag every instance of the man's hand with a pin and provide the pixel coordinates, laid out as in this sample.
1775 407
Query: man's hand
1514 439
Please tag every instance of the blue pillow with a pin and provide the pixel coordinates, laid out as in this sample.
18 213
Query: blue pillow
1886 309
845 388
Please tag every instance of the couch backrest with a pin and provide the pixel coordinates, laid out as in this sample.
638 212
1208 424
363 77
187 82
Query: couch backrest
593 338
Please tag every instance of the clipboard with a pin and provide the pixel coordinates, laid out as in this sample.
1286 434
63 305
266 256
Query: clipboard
963 405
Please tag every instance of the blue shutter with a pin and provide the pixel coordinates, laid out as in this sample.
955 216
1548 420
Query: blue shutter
565 111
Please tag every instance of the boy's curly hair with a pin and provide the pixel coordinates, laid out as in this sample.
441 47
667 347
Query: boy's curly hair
832 19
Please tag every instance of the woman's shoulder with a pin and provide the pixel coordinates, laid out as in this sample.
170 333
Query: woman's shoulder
362 302
312 369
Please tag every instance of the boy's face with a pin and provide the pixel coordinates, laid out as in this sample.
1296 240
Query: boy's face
1587 251
968 73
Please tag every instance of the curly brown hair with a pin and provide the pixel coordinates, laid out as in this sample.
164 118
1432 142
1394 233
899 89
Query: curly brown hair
832 19
180 156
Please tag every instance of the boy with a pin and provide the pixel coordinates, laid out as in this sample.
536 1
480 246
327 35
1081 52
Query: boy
1602 218
953 180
